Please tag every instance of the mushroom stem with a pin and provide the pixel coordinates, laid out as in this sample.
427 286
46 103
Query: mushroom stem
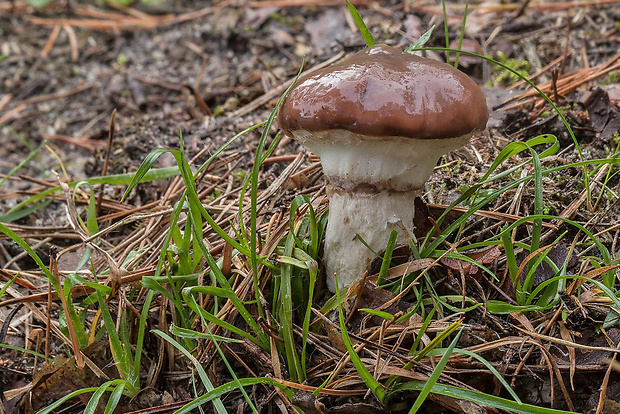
373 182
371 215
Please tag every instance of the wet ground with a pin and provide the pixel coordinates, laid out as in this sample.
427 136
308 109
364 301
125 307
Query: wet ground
200 72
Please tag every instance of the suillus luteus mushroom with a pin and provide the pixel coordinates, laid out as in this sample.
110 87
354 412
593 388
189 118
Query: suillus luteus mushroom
379 121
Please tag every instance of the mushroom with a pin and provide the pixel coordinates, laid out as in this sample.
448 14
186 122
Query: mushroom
379 121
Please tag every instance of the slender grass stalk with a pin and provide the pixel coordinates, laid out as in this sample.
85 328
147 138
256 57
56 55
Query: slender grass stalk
438 339
538 200
377 389
33 153
114 398
477 397
368 38
228 388
511 258
50 408
117 386
461 34
121 351
421 332
285 312
7 285
31 352
387 258
432 380
413 350
219 406
216 339
253 254
117 179
445 29
421 41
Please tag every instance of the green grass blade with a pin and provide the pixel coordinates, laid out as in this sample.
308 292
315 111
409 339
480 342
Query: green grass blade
118 179
195 203
446 32
478 398
19 166
432 380
190 333
144 168
114 399
229 294
387 258
370 381
21 243
223 324
77 323
225 389
91 214
523 291
261 339
253 254
486 363
306 261
437 340
604 252
538 200
498 307
461 34
121 351
313 270
31 352
7 285
445 302
258 159
219 406
370 41
285 315
50 408
95 399
142 328
412 351
225 360
607 291
381 314
422 40
418 338
511 258
12 216
315 240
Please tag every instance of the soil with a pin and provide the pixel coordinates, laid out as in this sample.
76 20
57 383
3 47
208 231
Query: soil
191 75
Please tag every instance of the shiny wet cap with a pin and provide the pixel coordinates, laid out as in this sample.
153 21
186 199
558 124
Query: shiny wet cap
381 92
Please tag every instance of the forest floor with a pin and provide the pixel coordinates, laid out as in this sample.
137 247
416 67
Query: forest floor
88 90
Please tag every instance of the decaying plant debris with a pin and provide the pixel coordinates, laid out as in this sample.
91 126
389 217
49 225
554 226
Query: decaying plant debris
198 76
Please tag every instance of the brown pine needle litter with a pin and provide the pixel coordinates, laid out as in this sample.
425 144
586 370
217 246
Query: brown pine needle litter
177 288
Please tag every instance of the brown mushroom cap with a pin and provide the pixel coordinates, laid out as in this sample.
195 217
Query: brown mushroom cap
381 91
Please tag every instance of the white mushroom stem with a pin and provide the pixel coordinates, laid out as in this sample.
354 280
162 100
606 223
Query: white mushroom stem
373 184
373 217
